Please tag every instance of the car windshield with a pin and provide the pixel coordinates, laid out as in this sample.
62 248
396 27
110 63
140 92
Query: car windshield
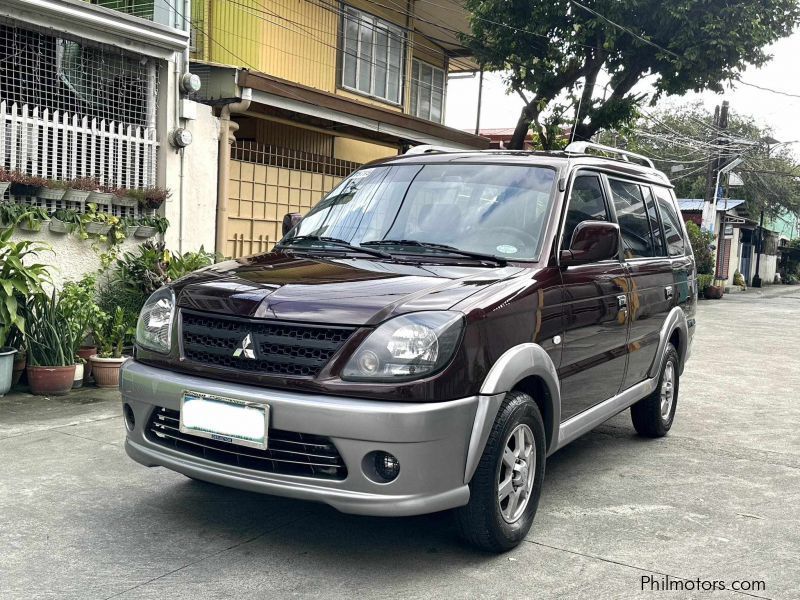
475 209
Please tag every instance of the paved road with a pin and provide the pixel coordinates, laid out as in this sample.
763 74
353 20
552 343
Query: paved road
718 499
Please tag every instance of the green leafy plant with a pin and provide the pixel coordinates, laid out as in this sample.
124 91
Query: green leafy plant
56 184
50 335
15 214
112 331
21 280
702 242
703 281
70 216
160 223
78 301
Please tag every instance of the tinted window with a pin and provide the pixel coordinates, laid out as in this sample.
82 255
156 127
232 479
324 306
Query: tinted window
673 231
655 226
586 203
634 224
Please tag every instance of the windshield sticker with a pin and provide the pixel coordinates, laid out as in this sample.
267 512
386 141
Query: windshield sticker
507 249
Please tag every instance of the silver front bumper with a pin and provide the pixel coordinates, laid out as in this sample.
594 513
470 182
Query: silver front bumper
430 440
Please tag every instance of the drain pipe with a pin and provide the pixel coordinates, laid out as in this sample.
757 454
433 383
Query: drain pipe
227 129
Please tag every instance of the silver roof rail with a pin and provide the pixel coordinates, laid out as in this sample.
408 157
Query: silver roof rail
581 147
430 148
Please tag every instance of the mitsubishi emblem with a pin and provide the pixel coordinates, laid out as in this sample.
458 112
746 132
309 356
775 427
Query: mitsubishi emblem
245 349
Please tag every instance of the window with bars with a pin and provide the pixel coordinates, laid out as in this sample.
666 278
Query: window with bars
427 91
72 109
372 56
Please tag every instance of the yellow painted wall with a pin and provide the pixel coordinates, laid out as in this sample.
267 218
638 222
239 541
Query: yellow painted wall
360 152
295 40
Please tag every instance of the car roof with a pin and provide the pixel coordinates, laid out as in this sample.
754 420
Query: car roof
558 160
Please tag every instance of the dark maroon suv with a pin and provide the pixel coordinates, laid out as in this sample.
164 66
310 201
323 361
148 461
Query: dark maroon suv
425 337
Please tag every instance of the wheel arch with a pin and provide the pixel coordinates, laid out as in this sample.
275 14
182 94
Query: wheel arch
528 368
675 330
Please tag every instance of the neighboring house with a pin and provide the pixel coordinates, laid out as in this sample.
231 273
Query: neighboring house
90 91
500 137
742 239
312 90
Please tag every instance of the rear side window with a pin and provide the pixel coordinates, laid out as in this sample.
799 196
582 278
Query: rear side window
673 231
586 203
633 219
655 226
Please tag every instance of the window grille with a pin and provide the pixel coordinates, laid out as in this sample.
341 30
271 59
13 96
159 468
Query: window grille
276 156
427 91
69 109
372 56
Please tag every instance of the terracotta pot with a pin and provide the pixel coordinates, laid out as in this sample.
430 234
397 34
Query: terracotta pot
20 360
106 371
87 352
714 292
50 381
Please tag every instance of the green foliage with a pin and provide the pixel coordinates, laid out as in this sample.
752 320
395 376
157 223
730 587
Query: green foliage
112 331
701 242
555 51
78 301
703 281
50 334
22 215
160 223
21 280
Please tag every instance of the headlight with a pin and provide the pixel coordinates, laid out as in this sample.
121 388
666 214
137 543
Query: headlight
407 347
154 327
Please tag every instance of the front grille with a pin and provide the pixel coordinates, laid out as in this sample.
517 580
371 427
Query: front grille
287 453
274 348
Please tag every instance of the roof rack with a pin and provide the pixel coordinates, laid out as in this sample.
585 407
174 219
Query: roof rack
430 149
581 147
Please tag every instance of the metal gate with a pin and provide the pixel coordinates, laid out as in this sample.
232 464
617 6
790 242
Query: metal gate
266 182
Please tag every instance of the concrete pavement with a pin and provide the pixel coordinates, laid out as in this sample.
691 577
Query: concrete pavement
717 499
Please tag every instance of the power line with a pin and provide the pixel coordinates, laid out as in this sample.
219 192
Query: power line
766 89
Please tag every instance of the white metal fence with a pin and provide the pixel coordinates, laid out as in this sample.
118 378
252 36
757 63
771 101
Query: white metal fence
61 145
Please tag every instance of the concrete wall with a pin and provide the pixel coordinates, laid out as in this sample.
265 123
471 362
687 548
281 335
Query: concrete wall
70 257
192 208
767 268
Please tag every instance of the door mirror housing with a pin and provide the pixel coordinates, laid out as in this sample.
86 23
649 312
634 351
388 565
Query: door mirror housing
592 241
289 221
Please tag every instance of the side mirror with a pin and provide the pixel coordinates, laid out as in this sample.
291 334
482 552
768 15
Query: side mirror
592 241
289 221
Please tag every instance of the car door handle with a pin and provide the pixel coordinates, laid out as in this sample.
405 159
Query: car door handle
668 292
622 301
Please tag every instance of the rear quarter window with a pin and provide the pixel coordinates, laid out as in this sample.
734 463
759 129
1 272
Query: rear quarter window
673 229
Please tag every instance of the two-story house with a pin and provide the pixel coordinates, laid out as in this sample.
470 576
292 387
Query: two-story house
308 90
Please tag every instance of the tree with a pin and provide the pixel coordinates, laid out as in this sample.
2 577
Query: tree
555 52
683 136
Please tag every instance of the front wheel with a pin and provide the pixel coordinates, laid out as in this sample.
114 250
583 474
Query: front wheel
505 489
653 415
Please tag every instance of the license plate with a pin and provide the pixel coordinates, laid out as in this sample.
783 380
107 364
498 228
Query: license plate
225 419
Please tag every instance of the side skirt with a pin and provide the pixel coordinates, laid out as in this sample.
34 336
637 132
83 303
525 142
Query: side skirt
576 426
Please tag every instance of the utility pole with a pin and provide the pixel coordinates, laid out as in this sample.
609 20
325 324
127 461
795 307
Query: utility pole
715 161
757 278
480 97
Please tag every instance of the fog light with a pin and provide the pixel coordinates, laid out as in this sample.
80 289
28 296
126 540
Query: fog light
387 466
130 419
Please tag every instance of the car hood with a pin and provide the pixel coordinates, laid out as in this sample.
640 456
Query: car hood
345 291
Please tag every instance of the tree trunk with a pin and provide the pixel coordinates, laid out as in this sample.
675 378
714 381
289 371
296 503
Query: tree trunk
521 131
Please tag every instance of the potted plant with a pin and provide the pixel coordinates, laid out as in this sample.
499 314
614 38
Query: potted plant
21 279
25 185
123 197
94 222
130 225
78 299
51 358
65 220
149 226
103 194
111 333
32 218
80 368
79 189
151 198
5 181
53 190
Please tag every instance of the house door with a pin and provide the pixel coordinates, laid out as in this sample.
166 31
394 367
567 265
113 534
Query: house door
746 261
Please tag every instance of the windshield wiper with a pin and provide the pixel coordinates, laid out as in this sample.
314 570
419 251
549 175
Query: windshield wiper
333 242
444 247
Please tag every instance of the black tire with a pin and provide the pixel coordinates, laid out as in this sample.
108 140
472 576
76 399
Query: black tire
647 416
481 522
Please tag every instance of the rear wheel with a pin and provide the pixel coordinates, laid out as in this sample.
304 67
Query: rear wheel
505 489
653 415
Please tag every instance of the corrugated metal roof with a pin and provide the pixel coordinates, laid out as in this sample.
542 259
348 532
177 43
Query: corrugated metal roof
694 204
